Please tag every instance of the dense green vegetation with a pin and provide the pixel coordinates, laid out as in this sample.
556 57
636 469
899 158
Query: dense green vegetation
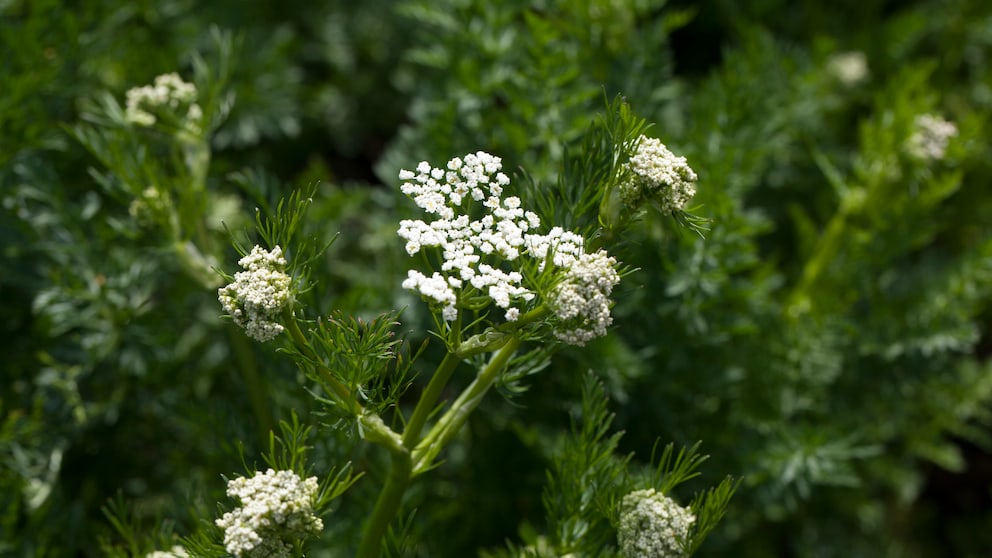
827 338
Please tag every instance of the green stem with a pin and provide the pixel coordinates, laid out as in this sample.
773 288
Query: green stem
801 298
527 318
386 506
254 382
486 341
613 217
451 422
403 467
494 338
375 431
411 435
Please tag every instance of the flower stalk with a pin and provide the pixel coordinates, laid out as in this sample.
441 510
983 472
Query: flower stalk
386 506
452 420
406 463
411 434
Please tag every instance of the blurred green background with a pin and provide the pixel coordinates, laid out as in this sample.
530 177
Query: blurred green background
828 341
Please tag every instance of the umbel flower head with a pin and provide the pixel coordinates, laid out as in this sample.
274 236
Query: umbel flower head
276 507
930 137
169 92
582 300
484 254
658 176
467 245
258 295
652 525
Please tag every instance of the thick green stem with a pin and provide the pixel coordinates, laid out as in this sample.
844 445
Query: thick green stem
254 383
403 468
386 506
411 434
376 431
451 422
190 216
489 340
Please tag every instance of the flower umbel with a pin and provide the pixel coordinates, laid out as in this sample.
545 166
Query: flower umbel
169 92
466 244
652 525
582 300
258 295
276 507
659 177
930 138
486 254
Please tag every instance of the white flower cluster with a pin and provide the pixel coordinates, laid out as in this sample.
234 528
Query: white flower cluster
275 505
652 525
175 552
930 138
169 91
659 176
257 296
501 232
473 250
850 68
582 300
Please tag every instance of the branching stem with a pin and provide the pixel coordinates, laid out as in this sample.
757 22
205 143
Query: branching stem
411 435
451 422
406 465
386 506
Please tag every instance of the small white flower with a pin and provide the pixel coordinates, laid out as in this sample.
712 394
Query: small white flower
652 525
140 117
449 313
258 295
582 300
436 287
564 246
170 93
930 138
464 242
276 506
659 176
850 68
